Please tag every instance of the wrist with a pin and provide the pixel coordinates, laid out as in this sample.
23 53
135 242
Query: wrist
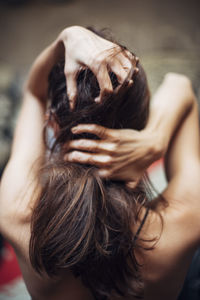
173 99
72 33
158 143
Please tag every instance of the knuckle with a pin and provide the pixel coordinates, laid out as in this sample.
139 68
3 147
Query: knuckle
100 60
97 64
129 54
113 147
116 141
95 67
93 127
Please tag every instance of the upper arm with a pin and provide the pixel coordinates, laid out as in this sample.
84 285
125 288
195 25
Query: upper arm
19 178
183 156
28 138
183 171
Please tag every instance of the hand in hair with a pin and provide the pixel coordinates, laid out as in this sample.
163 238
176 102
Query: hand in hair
84 48
125 154
80 48
121 154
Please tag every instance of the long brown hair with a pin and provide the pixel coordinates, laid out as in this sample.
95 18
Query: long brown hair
82 222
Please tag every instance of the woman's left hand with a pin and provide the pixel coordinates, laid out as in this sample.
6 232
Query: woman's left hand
83 48
120 154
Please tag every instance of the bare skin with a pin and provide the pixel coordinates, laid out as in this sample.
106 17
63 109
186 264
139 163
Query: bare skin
173 121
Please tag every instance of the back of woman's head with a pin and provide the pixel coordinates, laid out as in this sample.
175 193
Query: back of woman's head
81 222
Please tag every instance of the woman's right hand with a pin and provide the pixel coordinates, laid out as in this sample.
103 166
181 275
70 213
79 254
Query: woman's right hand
120 154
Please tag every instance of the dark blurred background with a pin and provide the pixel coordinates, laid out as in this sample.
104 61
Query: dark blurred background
164 34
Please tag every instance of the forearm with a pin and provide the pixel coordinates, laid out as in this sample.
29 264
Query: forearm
183 154
37 82
171 103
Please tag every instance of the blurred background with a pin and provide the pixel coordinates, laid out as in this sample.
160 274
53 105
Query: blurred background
164 34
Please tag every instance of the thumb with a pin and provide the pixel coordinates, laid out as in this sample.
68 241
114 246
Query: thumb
132 184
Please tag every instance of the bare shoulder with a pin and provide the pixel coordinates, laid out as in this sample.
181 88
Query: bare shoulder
175 230
182 212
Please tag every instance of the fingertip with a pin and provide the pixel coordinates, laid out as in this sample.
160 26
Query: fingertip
97 100
130 82
103 173
132 184
72 95
136 70
72 103
74 129
121 80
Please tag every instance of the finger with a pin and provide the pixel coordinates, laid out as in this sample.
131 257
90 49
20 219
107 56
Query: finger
71 88
129 77
127 83
125 61
88 158
95 129
131 56
104 81
113 135
120 71
92 146
127 58
135 62
104 173
132 184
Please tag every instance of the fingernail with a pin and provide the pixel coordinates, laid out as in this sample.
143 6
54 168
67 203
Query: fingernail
71 105
130 82
74 130
97 100
136 70
102 173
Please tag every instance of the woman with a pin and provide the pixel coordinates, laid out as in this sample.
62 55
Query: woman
78 233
